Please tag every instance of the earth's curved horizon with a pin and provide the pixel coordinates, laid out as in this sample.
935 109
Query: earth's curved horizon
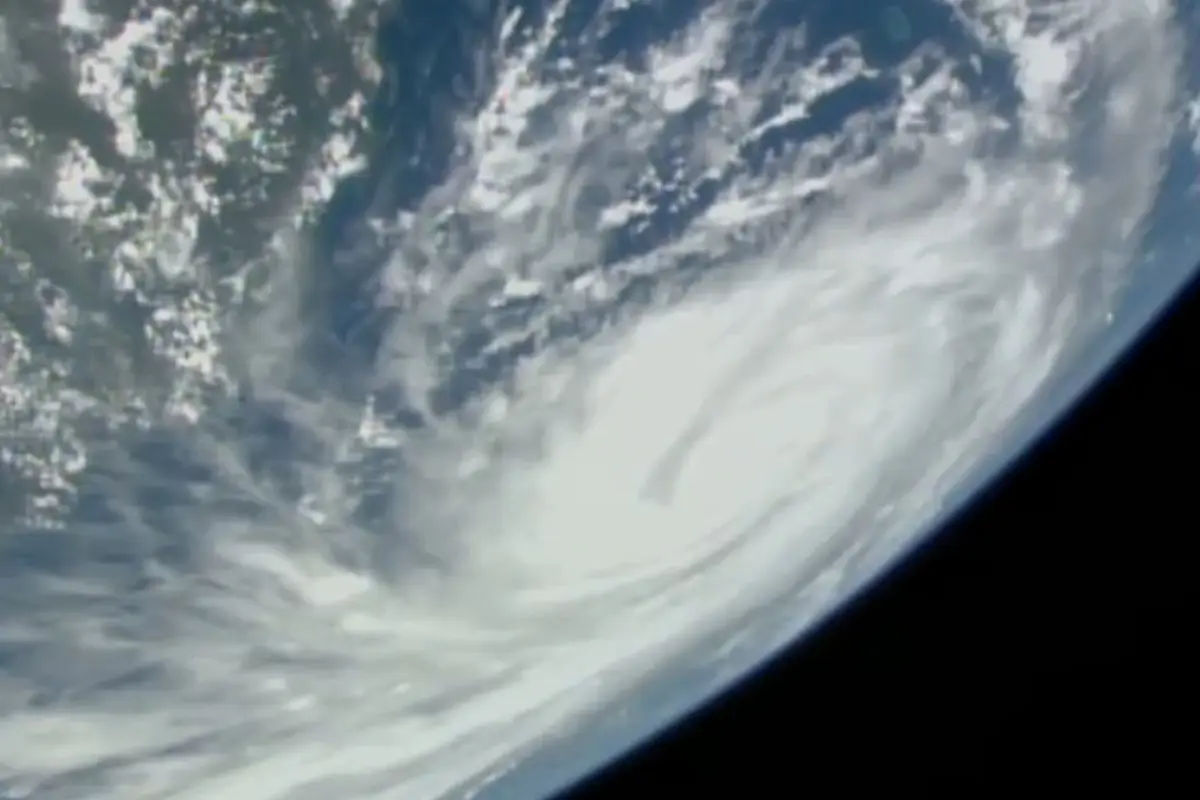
432 401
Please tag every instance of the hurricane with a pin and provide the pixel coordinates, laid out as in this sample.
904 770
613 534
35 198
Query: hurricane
658 317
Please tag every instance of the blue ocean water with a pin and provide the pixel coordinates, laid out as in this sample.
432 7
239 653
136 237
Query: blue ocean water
436 72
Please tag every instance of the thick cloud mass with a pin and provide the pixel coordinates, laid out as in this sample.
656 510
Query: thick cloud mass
687 320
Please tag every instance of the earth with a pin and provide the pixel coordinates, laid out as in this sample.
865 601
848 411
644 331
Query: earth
420 400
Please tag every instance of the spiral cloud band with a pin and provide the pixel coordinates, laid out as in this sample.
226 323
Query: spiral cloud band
681 328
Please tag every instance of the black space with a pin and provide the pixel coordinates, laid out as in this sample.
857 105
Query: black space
1044 641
